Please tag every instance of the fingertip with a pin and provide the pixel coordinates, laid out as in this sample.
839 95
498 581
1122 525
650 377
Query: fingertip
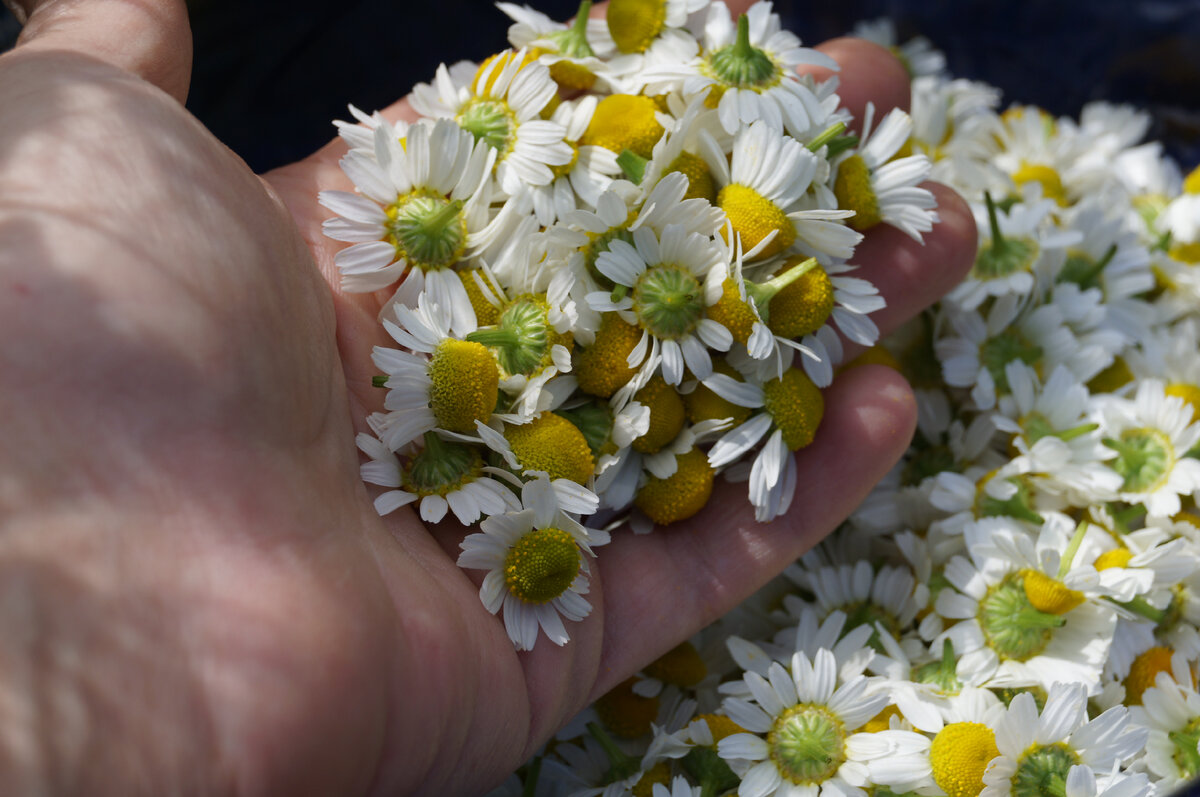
884 407
956 236
869 73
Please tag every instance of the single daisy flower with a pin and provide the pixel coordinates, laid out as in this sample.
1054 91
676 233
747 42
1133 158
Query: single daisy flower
574 53
443 476
1038 750
659 286
423 208
501 108
536 560
437 381
800 726
763 193
881 188
792 408
748 71
1170 713
1151 434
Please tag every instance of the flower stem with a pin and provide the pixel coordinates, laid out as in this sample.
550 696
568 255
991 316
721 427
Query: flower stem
832 132
494 337
998 242
1064 564
1143 607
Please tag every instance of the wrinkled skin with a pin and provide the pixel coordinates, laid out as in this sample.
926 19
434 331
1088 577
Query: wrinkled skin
196 595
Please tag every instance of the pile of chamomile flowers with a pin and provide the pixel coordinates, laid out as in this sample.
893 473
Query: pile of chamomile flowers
619 262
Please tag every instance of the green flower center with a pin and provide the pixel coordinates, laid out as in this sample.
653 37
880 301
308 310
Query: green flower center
1185 755
542 565
668 301
427 229
599 245
807 744
441 467
743 65
490 121
1085 270
1012 625
1144 457
1020 505
999 351
1042 771
523 337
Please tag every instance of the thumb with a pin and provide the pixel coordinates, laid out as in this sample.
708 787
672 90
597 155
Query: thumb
149 38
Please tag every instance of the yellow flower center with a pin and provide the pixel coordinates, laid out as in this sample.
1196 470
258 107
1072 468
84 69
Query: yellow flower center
572 77
796 406
733 312
754 217
720 726
854 192
624 121
635 24
496 63
700 180
681 495
881 721
1191 183
1189 393
625 713
666 415
1117 557
803 306
679 666
552 444
1112 378
1186 253
463 384
959 754
1049 595
1144 671
486 313
659 774
603 367
541 565
1052 184
704 405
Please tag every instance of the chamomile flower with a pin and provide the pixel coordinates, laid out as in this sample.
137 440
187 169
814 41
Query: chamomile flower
659 286
678 150
437 381
1038 750
1018 251
572 52
423 208
792 408
1170 712
536 560
442 475
881 188
748 69
1151 434
800 726
763 193
501 109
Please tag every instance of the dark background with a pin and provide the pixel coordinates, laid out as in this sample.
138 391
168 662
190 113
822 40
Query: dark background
269 75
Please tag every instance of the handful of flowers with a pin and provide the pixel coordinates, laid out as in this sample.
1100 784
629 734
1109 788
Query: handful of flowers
620 259
625 256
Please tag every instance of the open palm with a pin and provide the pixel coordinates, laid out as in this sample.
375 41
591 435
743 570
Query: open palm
198 594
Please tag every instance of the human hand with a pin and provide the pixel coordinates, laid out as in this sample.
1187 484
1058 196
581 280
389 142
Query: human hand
198 595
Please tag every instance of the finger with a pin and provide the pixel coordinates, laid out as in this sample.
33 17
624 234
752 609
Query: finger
148 38
909 275
869 73
662 587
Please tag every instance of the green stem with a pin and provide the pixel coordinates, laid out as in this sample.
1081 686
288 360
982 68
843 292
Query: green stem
1095 270
529 787
1143 607
622 765
438 221
435 446
998 242
633 165
579 26
763 293
1068 435
742 48
494 337
1034 618
831 133
380 380
618 293
949 662
1064 564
